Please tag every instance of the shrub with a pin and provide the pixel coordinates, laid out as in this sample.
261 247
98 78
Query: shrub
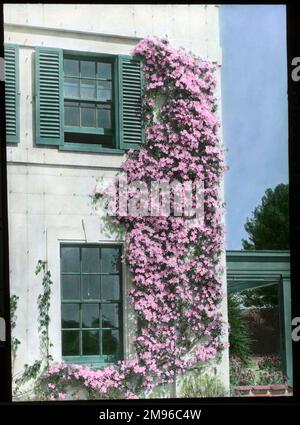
239 340
269 363
268 372
202 385
271 378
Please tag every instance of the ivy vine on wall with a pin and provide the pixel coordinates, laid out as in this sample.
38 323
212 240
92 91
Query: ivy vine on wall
36 369
15 342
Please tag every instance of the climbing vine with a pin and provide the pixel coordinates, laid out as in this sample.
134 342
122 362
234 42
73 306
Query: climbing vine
15 342
43 302
43 307
174 260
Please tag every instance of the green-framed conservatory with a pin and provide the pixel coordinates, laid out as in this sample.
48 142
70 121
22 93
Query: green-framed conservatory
258 269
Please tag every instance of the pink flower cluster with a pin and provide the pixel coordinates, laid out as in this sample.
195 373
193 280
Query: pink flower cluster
174 261
63 379
72 381
175 264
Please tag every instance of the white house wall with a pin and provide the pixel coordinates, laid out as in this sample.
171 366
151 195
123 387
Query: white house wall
49 190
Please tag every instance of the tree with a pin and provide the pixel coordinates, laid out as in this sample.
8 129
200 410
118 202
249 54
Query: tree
261 297
268 228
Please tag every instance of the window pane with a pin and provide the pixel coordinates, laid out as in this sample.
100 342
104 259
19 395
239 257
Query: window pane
88 115
110 342
71 67
90 287
87 69
88 89
70 343
110 287
103 116
70 262
110 260
71 87
90 342
70 316
104 70
90 316
110 315
90 258
72 114
103 91
70 287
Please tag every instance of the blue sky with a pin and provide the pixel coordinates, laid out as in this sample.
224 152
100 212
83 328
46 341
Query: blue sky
254 105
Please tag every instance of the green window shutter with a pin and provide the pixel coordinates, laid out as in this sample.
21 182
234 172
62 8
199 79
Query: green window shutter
12 106
49 96
131 132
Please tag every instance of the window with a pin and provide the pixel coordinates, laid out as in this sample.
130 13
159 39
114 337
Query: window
91 310
87 101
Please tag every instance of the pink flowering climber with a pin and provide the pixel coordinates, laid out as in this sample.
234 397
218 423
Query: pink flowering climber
173 260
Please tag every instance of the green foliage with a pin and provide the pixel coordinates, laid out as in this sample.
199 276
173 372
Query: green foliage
44 306
239 374
13 322
239 340
260 297
235 368
265 371
32 372
271 378
268 228
269 363
202 385
247 377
